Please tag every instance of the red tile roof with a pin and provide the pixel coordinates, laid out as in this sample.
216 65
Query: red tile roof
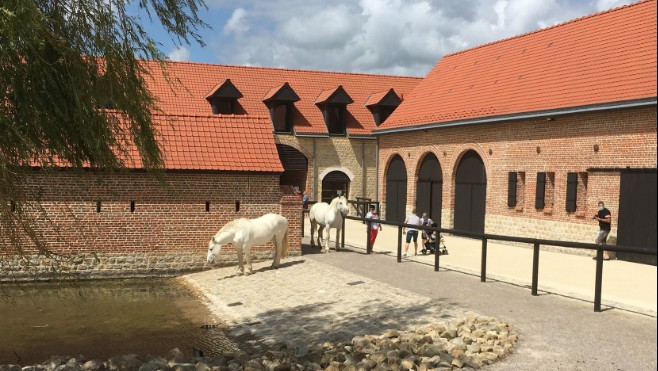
216 142
376 98
256 83
602 58
273 92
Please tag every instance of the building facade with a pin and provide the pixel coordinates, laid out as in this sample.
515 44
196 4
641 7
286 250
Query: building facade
524 136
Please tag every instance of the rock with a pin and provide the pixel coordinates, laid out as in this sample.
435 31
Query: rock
125 362
154 365
175 355
10 368
457 363
94 365
407 364
183 367
473 348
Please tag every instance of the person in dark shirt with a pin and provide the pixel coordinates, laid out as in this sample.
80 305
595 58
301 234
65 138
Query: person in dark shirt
605 220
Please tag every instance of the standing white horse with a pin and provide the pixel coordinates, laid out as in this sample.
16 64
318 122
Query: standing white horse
245 233
328 216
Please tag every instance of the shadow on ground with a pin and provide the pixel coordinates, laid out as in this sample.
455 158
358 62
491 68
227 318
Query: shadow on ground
330 320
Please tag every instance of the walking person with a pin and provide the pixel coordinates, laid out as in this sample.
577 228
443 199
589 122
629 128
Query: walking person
412 233
374 226
604 216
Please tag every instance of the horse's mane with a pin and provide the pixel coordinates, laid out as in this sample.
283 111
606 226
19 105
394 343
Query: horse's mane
232 226
335 201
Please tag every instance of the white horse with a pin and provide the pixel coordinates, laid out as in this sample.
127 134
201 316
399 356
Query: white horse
328 216
245 233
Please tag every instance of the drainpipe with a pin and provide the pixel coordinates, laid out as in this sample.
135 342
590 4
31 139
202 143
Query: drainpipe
315 173
363 169
377 171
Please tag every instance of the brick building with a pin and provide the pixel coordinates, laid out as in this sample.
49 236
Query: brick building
126 224
321 121
524 136
236 141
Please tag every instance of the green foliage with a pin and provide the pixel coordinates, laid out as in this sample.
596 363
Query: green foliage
73 92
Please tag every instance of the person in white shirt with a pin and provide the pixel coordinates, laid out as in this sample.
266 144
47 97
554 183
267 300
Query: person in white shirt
412 233
374 226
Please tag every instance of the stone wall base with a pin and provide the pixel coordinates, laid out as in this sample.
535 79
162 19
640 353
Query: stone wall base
117 265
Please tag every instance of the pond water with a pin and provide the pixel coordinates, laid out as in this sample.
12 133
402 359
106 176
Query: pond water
100 319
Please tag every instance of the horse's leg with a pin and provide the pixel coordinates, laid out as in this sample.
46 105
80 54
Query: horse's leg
337 238
278 243
240 261
320 236
247 252
313 225
328 241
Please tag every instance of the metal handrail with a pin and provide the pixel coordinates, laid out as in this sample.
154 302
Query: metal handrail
536 242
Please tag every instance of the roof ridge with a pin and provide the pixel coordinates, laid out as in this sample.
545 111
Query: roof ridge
289 69
215 116
579 19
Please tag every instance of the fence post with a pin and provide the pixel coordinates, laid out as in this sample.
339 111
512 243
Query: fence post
483 268
535 268
399 244
437 250
368 243
598 282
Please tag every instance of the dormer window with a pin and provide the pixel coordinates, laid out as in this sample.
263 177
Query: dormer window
382 104
224 98
280 101
333 104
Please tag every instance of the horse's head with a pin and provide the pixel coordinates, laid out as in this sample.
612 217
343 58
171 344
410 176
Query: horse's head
214 247
340 203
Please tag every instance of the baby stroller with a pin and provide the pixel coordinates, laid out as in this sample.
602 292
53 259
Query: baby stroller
430 244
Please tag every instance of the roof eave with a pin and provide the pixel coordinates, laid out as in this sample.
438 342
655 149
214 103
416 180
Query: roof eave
635 103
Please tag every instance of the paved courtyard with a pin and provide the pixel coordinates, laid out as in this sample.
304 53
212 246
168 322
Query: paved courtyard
319 297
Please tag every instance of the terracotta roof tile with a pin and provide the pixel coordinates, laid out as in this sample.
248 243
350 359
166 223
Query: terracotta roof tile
217 142
198 80
376 98
602 58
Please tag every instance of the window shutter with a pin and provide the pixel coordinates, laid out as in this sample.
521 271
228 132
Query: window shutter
572 191
541 190
511 188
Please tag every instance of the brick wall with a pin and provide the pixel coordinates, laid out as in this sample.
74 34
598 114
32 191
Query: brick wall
622 138
167 232
356 155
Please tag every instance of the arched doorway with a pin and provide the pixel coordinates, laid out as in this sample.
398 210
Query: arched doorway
396 190
295 166
429 188
470 193
335 184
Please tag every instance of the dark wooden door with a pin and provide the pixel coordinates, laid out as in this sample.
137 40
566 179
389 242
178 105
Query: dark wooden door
335 184
429 188
295 166
637 215
396 190
470 194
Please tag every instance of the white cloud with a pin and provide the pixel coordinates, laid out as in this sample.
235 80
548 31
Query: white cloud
601 5
237 24
381 36
179 54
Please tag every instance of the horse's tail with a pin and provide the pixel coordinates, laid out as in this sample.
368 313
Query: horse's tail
284 243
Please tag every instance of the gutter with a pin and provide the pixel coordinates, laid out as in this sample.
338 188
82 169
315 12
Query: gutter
548 114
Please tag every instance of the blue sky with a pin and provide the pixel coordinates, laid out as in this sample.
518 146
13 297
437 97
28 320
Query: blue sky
401 37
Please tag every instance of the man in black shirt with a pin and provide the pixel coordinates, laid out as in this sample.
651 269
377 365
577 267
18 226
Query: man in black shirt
605 220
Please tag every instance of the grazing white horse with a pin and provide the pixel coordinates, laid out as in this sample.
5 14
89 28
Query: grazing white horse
245 233
328 216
